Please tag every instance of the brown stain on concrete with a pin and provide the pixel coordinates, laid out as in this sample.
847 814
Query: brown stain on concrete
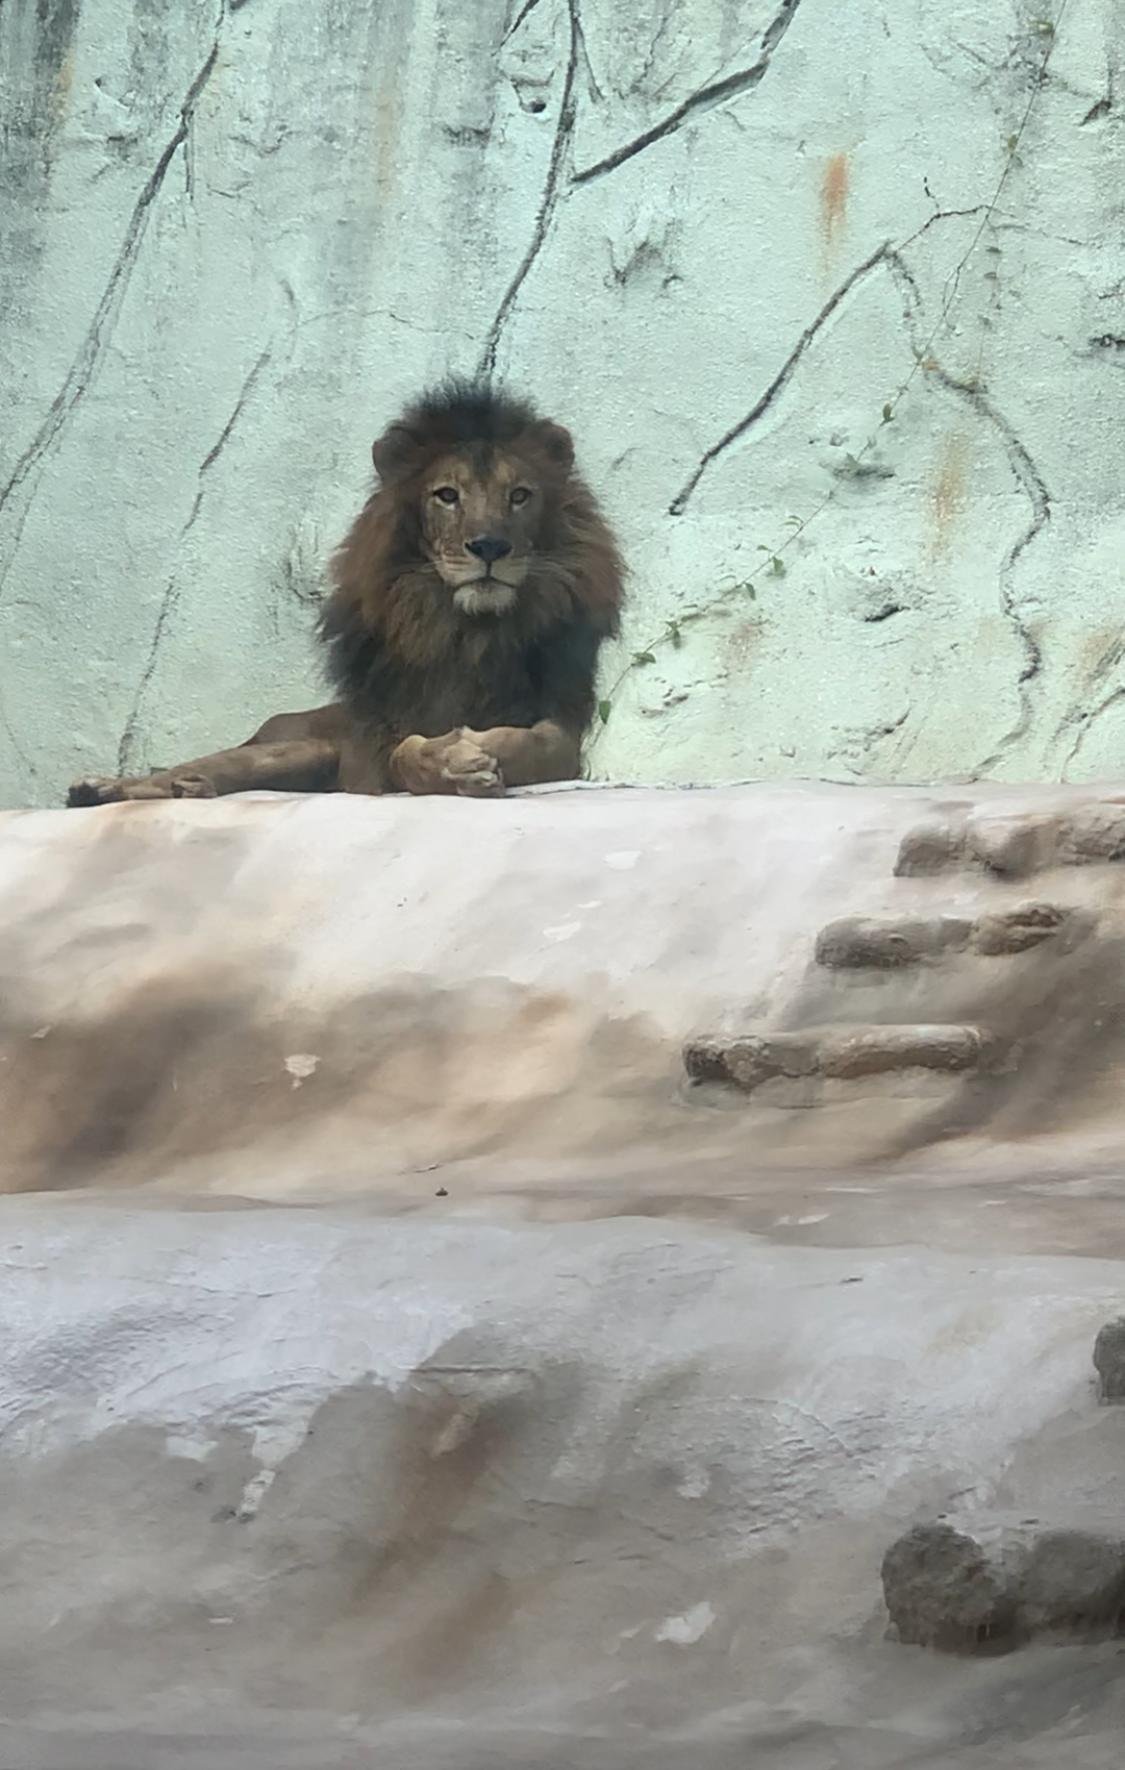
743 641
948 494
64 83
185 1067
834 191
1098 652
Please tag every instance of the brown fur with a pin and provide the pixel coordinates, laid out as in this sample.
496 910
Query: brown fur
470 600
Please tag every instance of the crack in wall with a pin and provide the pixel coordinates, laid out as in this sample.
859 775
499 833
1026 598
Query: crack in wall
1032 483
26 761
171 598
224 436
705 99
1086 723
83 369
525 11
1035 490
1019 457
169 604
548 202
652 51
1080 718
939 214
881 256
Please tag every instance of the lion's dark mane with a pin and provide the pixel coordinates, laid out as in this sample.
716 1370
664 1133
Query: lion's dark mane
404 659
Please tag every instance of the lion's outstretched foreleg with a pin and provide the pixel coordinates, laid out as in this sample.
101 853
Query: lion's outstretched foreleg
480 764
292 753
324 752
299 765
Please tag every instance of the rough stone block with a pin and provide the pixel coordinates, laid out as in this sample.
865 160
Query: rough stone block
1015 931
749 1061
1093 833
1109 1360
991 1584
930 848
856 942
840 1053
878 1050
942 1589
1014 847
1073 1582
708 1059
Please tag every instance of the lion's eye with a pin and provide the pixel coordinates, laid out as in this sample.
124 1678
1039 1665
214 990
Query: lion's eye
447 494
520 494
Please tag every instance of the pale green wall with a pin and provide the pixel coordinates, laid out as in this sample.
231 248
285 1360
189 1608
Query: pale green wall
236 237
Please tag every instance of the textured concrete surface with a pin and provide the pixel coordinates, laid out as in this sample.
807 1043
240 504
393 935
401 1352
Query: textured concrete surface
832 296
591 1494
527 1001
417 1469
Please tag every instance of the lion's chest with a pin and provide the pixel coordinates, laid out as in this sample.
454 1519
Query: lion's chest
472 678
491 690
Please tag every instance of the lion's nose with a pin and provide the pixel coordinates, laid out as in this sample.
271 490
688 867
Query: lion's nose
488 547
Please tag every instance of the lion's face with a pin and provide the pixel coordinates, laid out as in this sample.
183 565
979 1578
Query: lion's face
481 507
481 510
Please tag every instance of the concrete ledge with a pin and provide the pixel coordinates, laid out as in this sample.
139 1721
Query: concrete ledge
251 994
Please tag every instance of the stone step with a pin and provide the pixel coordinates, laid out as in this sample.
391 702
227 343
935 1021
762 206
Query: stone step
989 1583
843 1053
860 943
1014 847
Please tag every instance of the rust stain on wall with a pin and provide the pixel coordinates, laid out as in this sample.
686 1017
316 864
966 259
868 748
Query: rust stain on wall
743 642
834 198
949 489
64 82
1099 652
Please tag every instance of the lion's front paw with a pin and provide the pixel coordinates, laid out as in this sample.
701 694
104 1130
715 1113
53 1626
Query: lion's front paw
97 789
451 764
470 770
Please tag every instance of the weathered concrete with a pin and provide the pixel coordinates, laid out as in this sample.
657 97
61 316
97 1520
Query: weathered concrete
461 1495
253 994
250 993
831 294
394 1478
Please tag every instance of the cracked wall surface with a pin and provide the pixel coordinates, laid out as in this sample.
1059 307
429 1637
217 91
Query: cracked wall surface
833 297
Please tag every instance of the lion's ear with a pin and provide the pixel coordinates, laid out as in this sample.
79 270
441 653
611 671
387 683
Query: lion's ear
554 441
395 452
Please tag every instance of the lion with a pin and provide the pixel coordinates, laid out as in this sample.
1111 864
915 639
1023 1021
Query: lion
469 603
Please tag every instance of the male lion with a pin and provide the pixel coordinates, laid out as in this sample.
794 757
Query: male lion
470 600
